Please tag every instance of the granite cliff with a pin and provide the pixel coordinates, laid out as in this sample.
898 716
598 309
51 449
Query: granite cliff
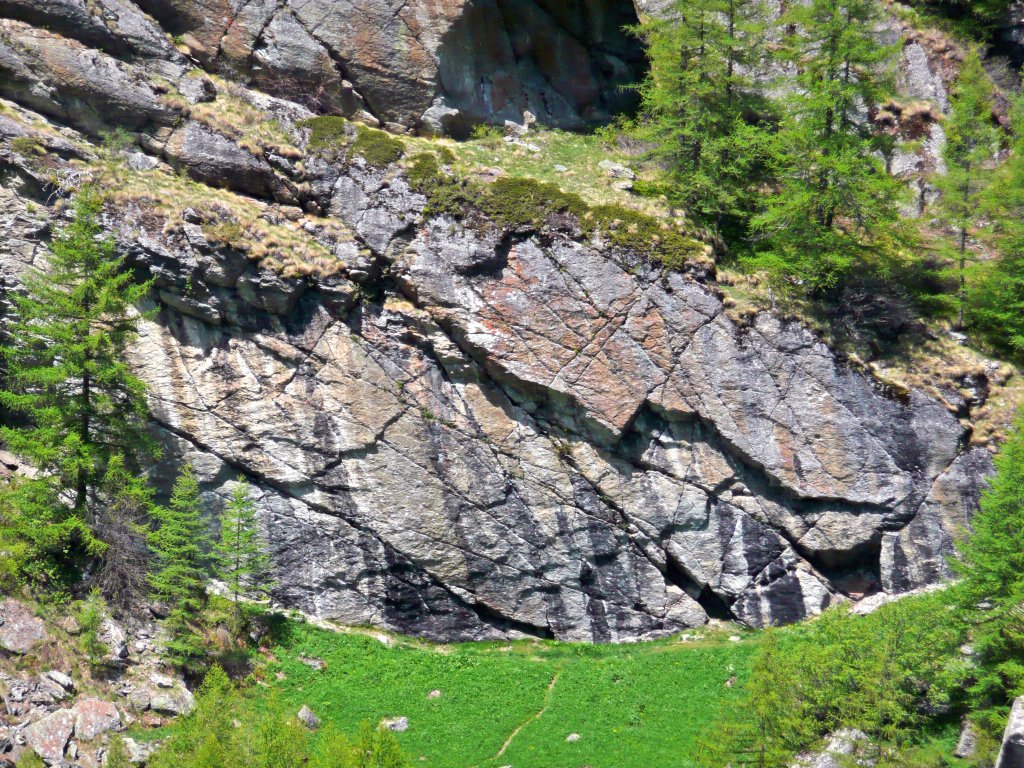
459 427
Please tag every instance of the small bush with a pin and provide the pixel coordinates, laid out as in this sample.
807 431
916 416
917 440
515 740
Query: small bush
514 203
27 145
377 148
445 194
90 614
328 133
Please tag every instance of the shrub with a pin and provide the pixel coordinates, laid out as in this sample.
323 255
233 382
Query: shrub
377 148
327 133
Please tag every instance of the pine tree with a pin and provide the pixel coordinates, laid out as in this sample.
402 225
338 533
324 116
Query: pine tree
240 555
972 140
699 107
178 574
836 210
65 371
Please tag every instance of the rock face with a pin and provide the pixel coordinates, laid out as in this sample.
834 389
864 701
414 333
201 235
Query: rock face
456 430
419 64
1012 753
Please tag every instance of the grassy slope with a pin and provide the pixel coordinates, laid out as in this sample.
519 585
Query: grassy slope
632 705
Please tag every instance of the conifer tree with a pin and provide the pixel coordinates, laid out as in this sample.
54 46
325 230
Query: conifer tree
66 376
836 210
698 105
178 575
972 140
995 300
240 555
992 567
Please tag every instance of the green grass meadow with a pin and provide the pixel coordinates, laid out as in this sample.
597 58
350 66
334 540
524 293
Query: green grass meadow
514 704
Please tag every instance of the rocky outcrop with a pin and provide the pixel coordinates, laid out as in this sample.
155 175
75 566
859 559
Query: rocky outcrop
418 65
457 429
1011 755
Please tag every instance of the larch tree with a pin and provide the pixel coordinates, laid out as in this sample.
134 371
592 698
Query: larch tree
835 209
699 107
76 401
240 554
972 141
177 577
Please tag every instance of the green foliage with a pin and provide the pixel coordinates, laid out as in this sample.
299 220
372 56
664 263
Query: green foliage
971 17
41 538
517 203
29 759
378 148
267 737
89 614
66 378
240 555
522 203
836 212
328 134
633 705
992 588
882 674
178 577
27 146
972 140
445 194
117 753
995 298
699 110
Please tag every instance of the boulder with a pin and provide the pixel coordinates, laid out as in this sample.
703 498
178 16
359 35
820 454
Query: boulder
20 630
843 749
175 701
49 736
308 718
1011 754
94 717
396 724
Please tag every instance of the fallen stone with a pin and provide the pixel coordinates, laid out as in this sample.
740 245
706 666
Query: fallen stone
616 170
396 724
314 662
20 630
177 701
308 718
50 735
572 737
968 741
844 748
64 681
94 717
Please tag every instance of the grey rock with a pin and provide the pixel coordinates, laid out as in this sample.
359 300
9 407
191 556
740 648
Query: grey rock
308 719
396 724
176 701
846 747
64 681
1011 754
94 717
50 735
20 630
967 743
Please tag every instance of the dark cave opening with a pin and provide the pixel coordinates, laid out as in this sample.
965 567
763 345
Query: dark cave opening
567 62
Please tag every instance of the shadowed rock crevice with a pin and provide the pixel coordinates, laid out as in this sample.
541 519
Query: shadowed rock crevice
565 62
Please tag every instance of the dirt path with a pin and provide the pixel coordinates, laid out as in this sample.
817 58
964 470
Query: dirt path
536 716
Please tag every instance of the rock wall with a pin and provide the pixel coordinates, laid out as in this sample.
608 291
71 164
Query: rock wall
426 65
459 431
